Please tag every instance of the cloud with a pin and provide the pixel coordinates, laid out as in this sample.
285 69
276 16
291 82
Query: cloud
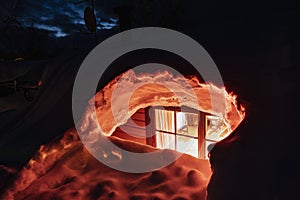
60 16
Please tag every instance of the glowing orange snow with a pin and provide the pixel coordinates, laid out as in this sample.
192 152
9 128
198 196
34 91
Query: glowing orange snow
160 89
64 169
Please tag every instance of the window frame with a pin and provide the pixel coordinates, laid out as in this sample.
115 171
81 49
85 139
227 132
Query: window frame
151 127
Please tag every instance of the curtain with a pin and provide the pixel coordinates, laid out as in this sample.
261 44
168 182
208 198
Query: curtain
165 141
164 120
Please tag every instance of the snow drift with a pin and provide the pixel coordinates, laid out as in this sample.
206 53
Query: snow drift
65 168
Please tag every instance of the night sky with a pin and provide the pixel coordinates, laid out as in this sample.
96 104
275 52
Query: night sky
61 17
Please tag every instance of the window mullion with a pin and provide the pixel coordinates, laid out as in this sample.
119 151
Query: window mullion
175 129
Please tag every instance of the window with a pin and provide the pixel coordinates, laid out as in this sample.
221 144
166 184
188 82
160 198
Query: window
185 130
177 130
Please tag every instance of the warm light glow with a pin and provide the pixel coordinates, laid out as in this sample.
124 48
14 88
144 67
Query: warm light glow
184 138
160 89
150 94
225 118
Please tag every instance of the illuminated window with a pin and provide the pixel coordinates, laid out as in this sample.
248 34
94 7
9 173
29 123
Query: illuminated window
186 130
215 130
177 130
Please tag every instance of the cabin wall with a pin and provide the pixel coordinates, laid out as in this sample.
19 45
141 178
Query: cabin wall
135 129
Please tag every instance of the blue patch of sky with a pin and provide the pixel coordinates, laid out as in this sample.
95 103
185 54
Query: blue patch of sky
107 25
56 31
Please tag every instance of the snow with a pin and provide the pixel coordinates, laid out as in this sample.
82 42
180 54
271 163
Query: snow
64 169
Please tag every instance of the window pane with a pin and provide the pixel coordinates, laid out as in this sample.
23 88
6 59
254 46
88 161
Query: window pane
216 129
187 145
187 123
165 141
207 143
164 120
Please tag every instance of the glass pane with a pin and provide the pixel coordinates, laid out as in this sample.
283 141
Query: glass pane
207 143
216 129
165 141
164 120
187 145
187 123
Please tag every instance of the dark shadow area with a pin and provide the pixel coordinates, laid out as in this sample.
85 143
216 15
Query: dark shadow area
144 56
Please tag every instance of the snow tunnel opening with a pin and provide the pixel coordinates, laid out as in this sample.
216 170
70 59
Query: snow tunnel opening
167 112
